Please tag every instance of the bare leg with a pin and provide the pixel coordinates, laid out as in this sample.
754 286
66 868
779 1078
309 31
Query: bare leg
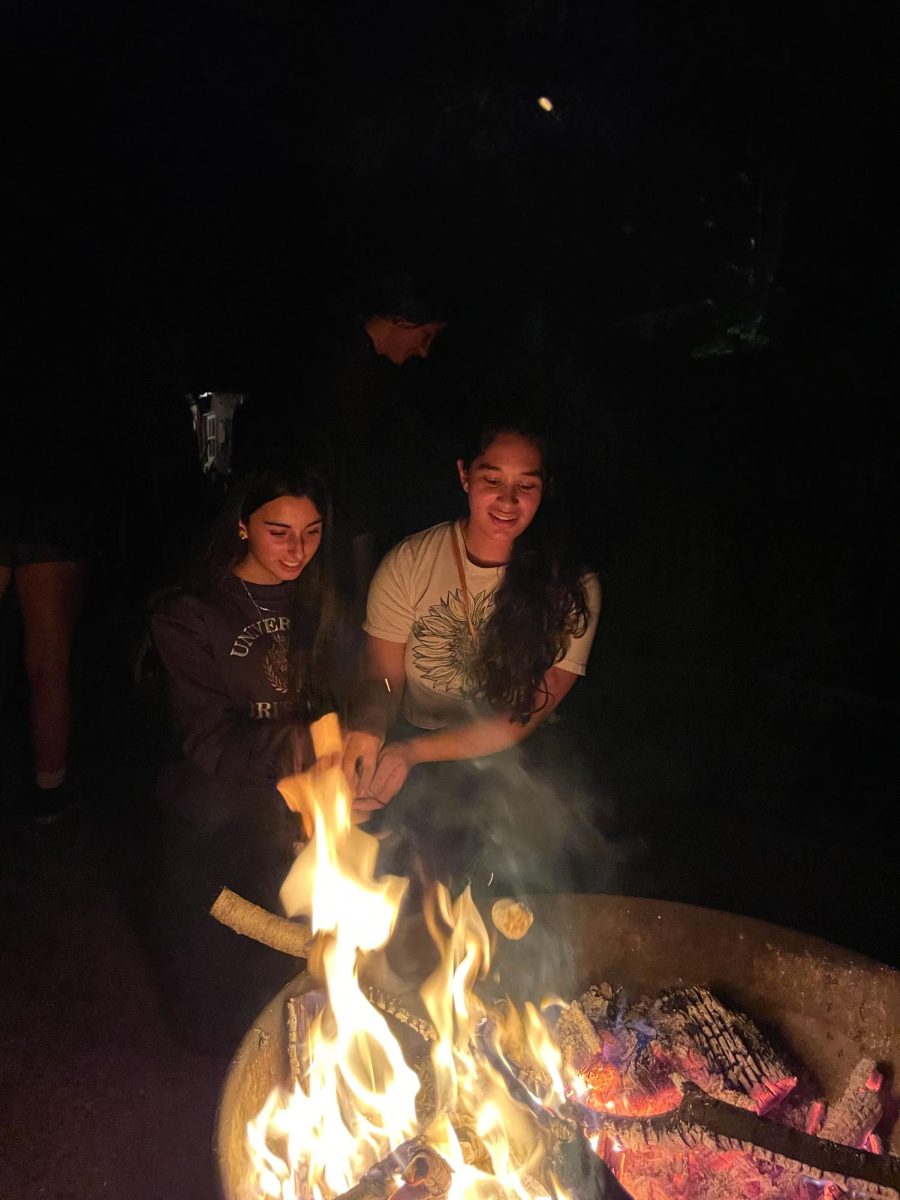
50 595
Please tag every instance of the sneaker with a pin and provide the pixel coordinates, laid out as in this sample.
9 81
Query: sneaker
49 805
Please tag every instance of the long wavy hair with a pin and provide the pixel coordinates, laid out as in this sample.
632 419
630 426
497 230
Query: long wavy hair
539 604
312 608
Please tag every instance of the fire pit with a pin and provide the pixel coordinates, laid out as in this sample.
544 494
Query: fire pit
823 1006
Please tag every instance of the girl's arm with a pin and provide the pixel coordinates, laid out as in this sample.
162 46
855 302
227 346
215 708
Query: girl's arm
376 705
475 739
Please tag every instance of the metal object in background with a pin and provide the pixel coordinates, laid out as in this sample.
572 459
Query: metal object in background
212 414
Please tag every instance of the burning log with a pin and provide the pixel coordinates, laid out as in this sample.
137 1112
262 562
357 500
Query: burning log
730 1044
296 938
473 1148
859 1110
390 1005
577 1037
424 1174
703 1124
573 1166
598 1003
249 920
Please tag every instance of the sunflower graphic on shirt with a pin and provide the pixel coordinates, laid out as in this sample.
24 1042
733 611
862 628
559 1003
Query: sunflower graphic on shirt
446 654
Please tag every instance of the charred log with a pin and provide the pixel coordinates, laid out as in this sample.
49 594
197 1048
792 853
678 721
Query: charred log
729 1042
859 1110
573 1165
703 1123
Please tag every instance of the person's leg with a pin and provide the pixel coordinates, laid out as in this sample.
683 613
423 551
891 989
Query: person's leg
50 595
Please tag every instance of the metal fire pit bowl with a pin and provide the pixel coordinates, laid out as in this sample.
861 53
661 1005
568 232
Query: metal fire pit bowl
824 1006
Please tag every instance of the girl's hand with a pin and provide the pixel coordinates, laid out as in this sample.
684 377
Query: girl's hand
359 760
394 765
363 807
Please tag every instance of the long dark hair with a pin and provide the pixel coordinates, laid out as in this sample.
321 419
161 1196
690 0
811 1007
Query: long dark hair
539 604
313 601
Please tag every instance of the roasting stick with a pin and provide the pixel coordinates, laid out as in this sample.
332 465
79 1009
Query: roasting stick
248 919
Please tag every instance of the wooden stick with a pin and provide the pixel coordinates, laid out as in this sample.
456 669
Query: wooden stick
296 938
249 920
379 1182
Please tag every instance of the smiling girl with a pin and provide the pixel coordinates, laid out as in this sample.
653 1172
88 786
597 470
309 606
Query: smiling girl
477 628
247 649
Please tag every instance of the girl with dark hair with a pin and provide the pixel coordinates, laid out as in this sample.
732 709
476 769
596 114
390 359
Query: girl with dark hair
477 630
247 647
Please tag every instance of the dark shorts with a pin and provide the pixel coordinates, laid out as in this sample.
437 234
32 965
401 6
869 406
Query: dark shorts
46 529
23 554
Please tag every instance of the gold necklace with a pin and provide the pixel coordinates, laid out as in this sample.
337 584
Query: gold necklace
473 632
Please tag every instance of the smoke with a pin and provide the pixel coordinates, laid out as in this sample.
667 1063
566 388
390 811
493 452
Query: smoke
521 823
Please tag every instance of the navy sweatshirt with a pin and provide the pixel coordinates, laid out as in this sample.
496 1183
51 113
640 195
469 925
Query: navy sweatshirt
227 669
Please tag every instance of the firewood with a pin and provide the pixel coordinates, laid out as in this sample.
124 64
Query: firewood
579 1171
300 1011
380 1182
249 920
474 1151
426 1175
859 1109
598 1003
576 1036
296 938
734 1049
702 1123
388 1004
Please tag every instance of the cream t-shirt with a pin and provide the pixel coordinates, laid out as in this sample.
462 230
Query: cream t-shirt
415 598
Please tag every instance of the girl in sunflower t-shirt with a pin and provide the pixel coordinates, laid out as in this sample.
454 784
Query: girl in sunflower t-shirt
477 630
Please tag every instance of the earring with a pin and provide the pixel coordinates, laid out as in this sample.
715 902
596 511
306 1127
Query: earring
243 535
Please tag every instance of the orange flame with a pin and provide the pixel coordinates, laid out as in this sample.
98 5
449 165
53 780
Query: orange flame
357 1102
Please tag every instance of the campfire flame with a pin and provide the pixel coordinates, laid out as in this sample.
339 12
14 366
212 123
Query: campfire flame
356 1103
480 1120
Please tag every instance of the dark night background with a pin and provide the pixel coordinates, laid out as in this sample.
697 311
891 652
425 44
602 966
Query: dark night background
689 265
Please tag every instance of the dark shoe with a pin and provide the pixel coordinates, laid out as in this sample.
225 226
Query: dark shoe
49 805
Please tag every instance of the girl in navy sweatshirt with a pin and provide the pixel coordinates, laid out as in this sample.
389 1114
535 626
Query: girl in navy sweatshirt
248 651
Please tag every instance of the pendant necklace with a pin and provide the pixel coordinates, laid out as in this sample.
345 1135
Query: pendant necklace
250 597
276 662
